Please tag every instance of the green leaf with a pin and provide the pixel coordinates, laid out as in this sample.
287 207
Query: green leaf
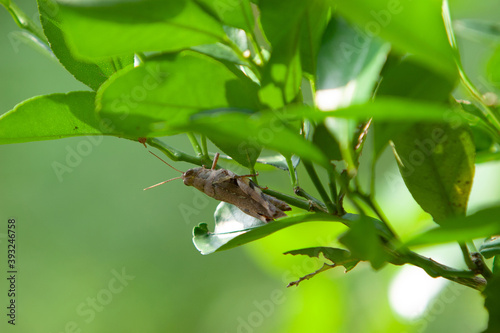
408 79
98 29
482 139
168 93
347 75
240 149
234 228
31 40
279 161
490 247
496 265
337 256
91 73
234 13
483 223
411 27
154 98
473 110
282 75
364 241
225 52
487 156
269 129
493 68
437 165
264 129
384 109
219 51
351 69
323 139
51 117
492 304
314 22
238 37
282 78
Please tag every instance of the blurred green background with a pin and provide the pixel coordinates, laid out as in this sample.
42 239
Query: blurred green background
76 232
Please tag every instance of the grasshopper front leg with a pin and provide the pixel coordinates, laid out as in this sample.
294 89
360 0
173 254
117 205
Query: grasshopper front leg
247 176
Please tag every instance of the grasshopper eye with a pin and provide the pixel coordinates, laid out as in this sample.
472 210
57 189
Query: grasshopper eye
188 177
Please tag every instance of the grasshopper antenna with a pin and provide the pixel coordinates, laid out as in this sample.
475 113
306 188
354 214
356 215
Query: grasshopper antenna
166 181
165 162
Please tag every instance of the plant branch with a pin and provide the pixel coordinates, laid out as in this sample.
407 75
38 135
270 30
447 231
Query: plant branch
467 256
24 22
321 190
291 170
254 173
204 146
312 85
431 267
471 246
314 204
195 144
435 269
368 199
480 266
332 185
174 154
291 200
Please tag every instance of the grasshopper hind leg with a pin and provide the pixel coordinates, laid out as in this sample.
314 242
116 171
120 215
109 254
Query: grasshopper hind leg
256 215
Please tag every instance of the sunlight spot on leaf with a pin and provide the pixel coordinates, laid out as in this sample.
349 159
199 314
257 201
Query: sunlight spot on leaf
278 72
331 99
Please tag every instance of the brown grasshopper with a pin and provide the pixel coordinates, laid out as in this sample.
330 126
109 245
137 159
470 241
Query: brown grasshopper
224 185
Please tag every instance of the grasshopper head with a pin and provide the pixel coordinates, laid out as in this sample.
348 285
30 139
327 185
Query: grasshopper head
189 176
